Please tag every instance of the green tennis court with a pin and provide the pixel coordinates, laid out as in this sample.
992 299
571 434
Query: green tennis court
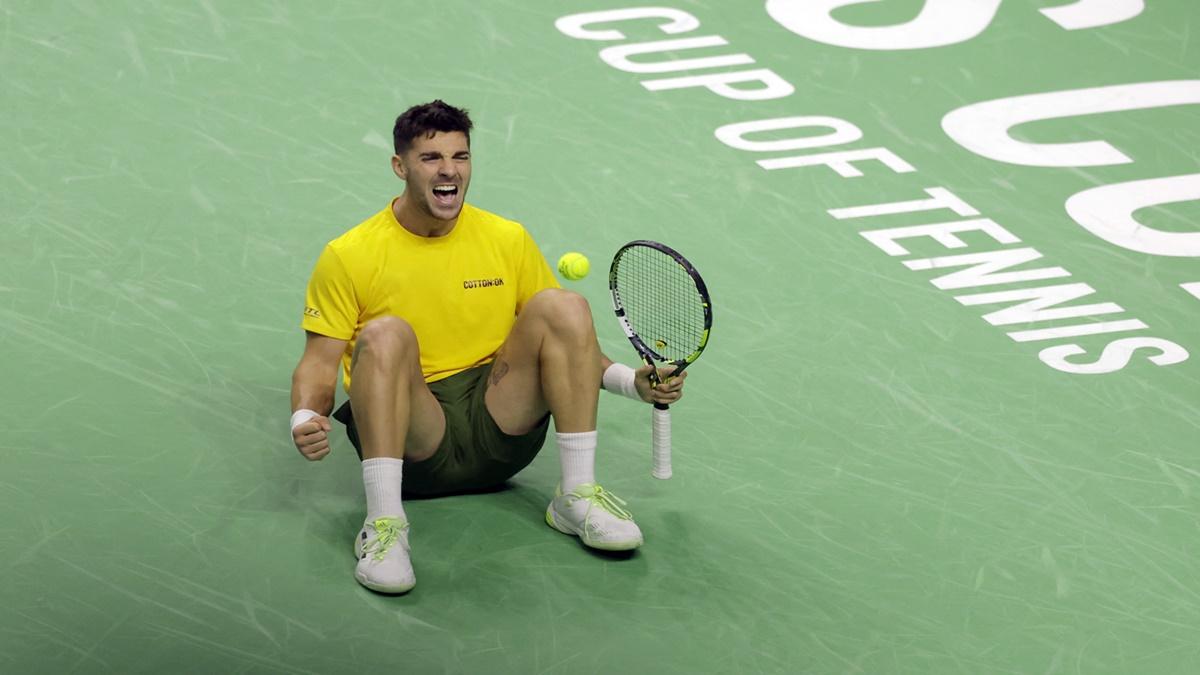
947 421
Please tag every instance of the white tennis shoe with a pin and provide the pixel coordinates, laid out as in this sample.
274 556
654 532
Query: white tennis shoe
382 551
596 516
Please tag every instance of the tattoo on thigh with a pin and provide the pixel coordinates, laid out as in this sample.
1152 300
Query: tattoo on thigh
499 371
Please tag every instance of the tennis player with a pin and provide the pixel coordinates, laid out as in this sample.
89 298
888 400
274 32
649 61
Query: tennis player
457 345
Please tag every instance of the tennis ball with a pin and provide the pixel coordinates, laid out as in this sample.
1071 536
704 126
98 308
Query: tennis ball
574 266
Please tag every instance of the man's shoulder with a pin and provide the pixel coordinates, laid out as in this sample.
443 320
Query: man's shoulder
492 222
364 235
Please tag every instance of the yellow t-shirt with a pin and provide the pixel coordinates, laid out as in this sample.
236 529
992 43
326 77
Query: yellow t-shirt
460 292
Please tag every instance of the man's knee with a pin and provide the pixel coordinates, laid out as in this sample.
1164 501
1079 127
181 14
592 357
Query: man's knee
563 309
388 337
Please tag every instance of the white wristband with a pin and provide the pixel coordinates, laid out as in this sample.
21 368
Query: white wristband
303 415
619 379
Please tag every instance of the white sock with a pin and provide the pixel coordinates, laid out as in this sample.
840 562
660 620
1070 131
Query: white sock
381 478
577 454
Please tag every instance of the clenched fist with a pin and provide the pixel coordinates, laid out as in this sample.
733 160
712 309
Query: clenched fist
312 438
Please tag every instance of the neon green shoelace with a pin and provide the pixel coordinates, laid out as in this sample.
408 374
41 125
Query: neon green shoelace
387 533
604 499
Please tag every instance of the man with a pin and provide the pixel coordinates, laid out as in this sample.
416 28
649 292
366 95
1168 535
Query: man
457 346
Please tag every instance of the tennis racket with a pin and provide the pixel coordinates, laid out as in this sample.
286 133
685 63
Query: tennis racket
663 306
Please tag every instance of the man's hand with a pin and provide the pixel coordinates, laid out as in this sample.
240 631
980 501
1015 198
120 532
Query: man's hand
670 391
312 438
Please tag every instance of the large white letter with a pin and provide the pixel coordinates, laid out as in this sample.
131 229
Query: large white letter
984 270
1041 304
1107 212
840 161
734 135
942 233
1115 356
941 198
774 86
1078 330
1094 13
940 23
618 57
983 128
573 25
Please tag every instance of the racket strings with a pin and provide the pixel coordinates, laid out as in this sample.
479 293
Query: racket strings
661 301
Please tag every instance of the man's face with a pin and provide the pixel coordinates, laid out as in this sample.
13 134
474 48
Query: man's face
436 172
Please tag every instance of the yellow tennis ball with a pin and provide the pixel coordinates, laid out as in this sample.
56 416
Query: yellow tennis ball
574 266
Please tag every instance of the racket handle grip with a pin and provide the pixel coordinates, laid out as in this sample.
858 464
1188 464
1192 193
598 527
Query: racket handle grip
661 432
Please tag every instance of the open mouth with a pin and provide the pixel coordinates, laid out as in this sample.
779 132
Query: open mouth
445 195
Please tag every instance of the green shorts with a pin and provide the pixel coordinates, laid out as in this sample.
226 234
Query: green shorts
474 453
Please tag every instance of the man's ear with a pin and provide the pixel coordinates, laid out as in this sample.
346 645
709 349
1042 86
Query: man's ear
399 168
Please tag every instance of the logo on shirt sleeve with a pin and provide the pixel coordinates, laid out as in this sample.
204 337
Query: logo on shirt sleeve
313 312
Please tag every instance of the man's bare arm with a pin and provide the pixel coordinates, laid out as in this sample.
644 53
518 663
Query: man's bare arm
315 378
313 385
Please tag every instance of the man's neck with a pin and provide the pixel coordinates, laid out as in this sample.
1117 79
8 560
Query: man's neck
420 224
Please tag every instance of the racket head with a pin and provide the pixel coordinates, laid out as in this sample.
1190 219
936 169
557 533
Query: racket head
661 302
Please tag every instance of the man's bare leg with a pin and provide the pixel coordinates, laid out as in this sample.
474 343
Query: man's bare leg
397 418
551 362
395 413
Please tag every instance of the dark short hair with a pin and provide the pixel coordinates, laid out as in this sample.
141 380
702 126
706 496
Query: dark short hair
427 119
